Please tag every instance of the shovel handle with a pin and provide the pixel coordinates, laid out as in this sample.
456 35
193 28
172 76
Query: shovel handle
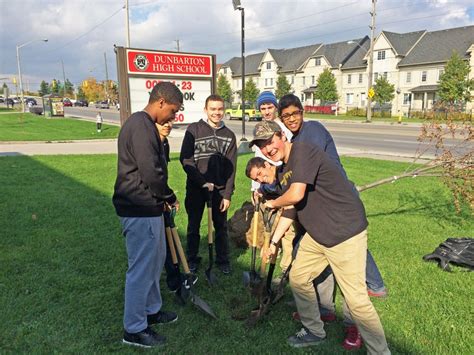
209 225
266 244
169 237
179 247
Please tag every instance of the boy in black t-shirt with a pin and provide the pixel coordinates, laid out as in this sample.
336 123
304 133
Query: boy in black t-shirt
334 217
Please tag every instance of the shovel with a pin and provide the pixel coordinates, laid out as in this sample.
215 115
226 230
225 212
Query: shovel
181 292
186 291
250 278
211 278
266 295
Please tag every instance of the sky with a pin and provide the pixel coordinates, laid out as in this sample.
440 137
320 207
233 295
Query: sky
79 32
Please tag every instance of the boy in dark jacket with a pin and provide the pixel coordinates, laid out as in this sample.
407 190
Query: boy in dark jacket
140 194
209 156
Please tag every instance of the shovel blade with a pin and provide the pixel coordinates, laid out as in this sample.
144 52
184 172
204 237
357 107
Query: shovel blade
202 305
251 278
211 278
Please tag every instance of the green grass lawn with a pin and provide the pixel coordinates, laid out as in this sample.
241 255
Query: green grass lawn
63 263
29 127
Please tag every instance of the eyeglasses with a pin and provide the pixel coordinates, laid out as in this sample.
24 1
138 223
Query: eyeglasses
287 116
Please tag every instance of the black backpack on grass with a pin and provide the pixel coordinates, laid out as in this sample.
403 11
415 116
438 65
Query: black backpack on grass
459 251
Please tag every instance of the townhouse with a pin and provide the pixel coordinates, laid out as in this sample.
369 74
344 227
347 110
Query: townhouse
412 61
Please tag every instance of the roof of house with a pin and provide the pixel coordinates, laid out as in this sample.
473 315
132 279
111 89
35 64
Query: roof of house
438 46
293 58
338 53
252 63
403 42
425 88
357 55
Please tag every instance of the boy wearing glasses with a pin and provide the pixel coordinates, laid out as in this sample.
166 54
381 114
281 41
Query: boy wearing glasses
329 209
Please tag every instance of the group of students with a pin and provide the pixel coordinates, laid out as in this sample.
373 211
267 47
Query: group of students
298 170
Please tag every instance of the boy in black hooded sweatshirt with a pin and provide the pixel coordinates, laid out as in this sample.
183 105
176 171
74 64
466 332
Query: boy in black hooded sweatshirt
209 156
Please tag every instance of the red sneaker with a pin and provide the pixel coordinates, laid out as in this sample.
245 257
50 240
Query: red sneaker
353 339
327 318
378 294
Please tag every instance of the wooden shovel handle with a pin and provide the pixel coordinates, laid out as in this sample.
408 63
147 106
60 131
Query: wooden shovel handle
209 225
179 247
266 244
169 237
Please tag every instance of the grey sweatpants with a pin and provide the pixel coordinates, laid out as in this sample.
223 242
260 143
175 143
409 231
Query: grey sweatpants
146 250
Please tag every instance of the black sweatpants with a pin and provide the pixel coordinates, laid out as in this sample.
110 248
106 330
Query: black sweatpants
195 203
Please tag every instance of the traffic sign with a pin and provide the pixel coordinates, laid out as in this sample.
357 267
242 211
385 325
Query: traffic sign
371 92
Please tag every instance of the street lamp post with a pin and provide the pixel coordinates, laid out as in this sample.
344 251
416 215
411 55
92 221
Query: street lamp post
19 68
238 6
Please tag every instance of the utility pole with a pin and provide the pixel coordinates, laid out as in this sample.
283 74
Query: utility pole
64 79
106 77
177 44
127 25
370 64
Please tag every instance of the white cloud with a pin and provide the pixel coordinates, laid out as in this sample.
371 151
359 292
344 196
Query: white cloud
206 26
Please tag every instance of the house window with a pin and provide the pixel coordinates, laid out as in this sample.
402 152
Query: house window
424 74
376 76
317 61
312 80
271 81
406 99
385 74
360 78
266 82
380 55
349 99
440 72
225 70
363 98
408 77
269 65
349 78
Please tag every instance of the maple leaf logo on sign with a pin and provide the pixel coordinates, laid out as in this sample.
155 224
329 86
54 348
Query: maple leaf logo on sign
141 62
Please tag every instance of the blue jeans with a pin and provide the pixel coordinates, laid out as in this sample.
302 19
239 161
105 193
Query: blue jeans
373 279
146 251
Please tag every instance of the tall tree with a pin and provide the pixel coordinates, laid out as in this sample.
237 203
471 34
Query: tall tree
223 89
283 86
384 91
55 86
93 90
69 88
326 89
44 88
454 84
251 91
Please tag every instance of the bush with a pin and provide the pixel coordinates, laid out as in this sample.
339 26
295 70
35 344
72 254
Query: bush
358 112
441 115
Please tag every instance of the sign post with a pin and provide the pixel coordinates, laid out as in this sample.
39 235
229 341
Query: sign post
139 70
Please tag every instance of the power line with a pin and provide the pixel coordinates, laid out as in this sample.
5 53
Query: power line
92 29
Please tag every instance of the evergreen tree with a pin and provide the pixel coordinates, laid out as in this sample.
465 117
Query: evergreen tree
251 91
69 88
384 91
326 89
283 87
44 88
454 84
223 89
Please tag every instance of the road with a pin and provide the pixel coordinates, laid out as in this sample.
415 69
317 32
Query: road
361 138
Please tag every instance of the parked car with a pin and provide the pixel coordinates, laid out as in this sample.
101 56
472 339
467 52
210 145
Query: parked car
102 104
2 100
81 103
29 101
67 103
250 113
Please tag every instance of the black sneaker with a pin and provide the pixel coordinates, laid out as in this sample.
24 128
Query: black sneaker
225 268
147 338
194 265
162 317
304 338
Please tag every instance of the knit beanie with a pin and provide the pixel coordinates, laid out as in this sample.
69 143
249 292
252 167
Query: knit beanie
266 97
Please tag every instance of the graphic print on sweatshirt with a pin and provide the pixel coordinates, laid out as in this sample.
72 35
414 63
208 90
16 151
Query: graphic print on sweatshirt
206 146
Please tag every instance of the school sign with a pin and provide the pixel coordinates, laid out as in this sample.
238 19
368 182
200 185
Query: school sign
139 70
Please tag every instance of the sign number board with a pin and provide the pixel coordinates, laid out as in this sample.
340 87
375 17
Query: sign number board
140 70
